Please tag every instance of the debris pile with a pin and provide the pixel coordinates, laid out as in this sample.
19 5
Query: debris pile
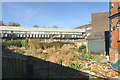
103 70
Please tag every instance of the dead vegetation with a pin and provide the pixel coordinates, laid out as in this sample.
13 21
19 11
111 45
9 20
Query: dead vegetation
69 55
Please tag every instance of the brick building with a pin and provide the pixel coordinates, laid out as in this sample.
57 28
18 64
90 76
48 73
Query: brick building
97 32
99 22
114 27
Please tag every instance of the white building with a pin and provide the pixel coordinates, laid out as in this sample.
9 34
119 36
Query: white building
45 34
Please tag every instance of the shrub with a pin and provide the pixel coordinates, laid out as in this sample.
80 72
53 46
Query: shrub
75 66
17 43
85 56
72 48
36 44
72 44
26 43
82 48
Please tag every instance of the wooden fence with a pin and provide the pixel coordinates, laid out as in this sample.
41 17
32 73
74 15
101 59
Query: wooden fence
15 67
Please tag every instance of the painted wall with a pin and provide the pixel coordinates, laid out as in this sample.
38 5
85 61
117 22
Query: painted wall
96 46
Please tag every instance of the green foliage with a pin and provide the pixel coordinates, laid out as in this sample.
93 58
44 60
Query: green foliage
35 26
26 43
75 66
45 53
72 44
85 56
89 68
13 24
36 44
17 43
72 48
82 48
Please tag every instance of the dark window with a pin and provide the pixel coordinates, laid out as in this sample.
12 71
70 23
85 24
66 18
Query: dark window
113 28
118 24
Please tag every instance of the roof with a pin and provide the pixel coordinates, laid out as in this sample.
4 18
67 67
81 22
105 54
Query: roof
100 13
83 26
96 36
13 28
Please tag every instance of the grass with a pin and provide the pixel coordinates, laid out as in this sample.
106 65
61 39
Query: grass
97 58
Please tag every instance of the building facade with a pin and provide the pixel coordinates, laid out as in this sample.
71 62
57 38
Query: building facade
114 27
99 22
44 34
97 33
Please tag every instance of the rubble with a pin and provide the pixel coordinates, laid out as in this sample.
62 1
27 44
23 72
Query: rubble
103 70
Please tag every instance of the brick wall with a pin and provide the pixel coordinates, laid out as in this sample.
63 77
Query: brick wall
114 49
100 22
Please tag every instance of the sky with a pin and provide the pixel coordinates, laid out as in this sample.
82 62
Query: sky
49 14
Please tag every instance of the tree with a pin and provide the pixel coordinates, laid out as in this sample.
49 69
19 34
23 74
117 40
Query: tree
17 24
1 23
13 24
35 26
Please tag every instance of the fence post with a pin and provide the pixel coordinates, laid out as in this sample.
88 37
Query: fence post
29 67
48 69
61 68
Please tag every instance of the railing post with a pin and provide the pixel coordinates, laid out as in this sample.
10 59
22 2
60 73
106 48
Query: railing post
29 67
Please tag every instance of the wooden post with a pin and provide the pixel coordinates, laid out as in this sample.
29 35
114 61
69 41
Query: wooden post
61 69
48 69
29 67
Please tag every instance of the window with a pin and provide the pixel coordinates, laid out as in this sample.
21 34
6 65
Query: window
89 28
113 28
118 24
82 28
112 5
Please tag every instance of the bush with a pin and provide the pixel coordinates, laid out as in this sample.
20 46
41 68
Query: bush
26 43
75 66
72 48
17 43
72 44
82 48
36 44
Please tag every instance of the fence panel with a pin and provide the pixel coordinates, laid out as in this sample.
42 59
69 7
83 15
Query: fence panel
13 67
51 70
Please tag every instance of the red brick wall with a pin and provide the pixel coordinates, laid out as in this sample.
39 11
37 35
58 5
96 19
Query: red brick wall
114 10
114 34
